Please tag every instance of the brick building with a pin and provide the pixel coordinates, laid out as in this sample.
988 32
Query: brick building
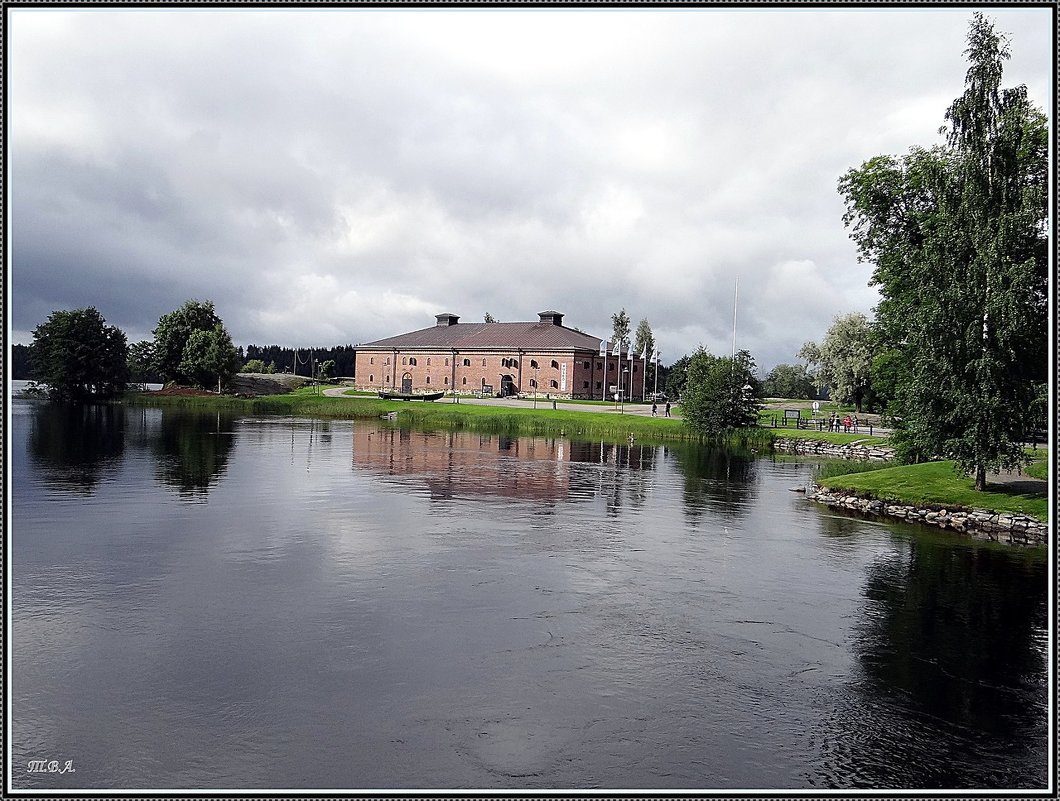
497 359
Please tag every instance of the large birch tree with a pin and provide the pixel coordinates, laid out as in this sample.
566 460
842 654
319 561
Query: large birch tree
958 238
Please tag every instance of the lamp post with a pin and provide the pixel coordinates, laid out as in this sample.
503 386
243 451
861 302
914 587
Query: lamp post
537 384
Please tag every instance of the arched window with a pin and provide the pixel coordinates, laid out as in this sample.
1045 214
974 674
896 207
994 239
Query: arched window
554 384
465 381
387 360
404 360
483 362
371 360
533 382
412 361
467 363
428 379
555 365
447 381
371 379
428 361
533 364
446 361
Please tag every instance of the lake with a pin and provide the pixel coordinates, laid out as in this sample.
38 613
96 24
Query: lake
206 601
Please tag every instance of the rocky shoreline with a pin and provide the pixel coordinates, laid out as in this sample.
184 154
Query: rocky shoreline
1013 529
853 450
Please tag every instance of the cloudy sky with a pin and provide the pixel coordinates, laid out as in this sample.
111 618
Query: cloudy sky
336 175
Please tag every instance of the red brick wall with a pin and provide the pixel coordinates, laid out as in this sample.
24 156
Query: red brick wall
373 372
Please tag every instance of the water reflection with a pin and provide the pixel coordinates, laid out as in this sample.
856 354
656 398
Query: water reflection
964 670
716 480
73 444
191 451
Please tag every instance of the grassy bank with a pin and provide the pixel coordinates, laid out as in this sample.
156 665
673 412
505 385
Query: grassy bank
937 483
455 416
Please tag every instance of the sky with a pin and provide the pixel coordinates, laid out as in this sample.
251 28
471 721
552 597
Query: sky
336 175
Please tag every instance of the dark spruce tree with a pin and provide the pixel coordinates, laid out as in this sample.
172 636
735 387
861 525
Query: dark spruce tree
957 236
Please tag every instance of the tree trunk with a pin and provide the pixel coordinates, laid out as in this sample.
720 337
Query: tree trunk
980 478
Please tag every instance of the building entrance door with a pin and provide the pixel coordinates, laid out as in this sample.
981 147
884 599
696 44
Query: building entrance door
406 383
507 386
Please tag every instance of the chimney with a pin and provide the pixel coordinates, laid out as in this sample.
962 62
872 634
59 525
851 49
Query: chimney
553 317
446 319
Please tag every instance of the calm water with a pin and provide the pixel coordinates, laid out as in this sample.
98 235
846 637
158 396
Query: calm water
202 601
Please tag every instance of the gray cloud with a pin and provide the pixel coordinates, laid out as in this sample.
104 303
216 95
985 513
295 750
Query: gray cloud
338 175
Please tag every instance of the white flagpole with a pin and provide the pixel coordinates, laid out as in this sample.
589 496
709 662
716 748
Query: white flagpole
644 368
735 296
656 390
631 372
603 381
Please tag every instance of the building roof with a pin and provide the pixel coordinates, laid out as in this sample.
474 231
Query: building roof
491 336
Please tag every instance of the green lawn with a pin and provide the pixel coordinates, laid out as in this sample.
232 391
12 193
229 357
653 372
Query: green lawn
938 483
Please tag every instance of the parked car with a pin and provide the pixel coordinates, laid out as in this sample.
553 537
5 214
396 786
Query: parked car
658 397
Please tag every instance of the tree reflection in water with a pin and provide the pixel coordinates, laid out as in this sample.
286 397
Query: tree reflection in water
716 480
962 670
191 450
73 444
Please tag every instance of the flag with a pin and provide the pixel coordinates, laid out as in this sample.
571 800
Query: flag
644 355
603 347
655 357
631 353
618 348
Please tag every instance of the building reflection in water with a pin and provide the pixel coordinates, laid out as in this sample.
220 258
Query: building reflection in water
540 469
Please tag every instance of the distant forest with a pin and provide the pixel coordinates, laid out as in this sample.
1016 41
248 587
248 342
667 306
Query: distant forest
282 360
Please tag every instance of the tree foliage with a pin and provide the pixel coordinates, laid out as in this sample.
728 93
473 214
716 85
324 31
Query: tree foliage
191 346
843 360
620 327
209 358
957 237
721 392
789 381
78 356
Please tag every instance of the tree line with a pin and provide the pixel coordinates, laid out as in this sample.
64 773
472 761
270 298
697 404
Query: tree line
76 356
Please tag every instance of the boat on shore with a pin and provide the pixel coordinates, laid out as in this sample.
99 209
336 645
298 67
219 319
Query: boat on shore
406 396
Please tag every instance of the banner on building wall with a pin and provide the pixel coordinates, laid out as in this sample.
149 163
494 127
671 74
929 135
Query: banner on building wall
563 377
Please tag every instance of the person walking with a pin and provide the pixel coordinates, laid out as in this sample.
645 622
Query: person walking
846 424
667 408
654 408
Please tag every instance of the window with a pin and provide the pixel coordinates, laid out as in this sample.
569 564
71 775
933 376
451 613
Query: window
371 379
388 360
554 383
404 360
467 363
599 366
599 385
611 367
533 382
446 382
428 379
586 366
483 362
533 364
446 361
585 384
428 361
412 361
465 382
371 360
555 365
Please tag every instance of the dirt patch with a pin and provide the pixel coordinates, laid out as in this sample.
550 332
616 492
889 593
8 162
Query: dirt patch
172 390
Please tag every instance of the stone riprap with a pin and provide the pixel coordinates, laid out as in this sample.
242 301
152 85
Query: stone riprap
852 450
1014 529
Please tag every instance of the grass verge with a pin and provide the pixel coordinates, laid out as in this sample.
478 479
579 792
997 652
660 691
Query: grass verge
939 484
441 415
